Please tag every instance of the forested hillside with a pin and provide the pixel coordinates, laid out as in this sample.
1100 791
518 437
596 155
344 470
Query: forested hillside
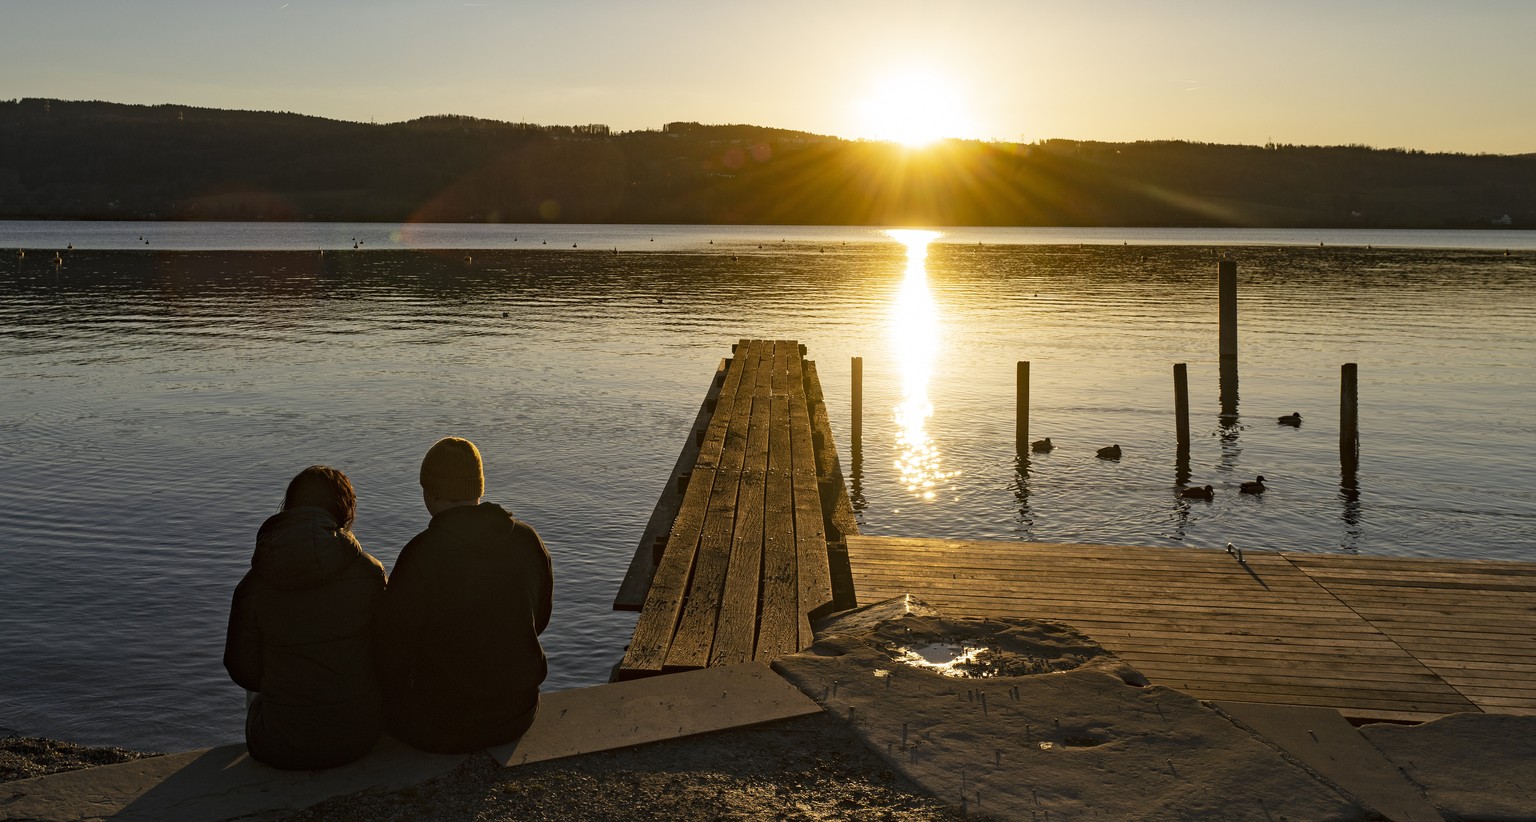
107 161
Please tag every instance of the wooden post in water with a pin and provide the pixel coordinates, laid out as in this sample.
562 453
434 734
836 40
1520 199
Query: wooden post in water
1021 409
858 404
1349 416
1227 277
1181 408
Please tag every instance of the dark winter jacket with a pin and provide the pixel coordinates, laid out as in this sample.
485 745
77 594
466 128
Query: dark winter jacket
459 652
301 635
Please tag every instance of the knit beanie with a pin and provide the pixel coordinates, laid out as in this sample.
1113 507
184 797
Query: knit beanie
451 470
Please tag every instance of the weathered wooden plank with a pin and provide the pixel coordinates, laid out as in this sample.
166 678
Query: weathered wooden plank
637 580
1329 562
1411 697
815 575
1019 585
1327 664
696 628
1411 709
664 601
1443 664
713 445
736 634
778 632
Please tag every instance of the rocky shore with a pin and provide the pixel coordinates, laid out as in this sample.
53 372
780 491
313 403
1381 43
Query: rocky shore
23 757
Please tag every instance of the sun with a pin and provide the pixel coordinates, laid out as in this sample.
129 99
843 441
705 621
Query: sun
915 108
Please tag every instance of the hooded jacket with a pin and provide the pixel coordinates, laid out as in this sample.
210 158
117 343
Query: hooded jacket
300 635
460 659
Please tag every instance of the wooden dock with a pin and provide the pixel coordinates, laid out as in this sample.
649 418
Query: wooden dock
735 561
1375 638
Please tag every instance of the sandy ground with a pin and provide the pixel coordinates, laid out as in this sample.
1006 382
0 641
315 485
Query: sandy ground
812 768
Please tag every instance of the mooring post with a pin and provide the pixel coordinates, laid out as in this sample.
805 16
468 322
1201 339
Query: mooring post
1349 416
1227 277
1021 409
1181 407
858 404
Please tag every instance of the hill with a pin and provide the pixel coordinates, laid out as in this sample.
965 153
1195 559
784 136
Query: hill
95 160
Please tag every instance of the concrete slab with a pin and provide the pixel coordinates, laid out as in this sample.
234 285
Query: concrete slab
1473 766
621 714
1073 735
212 784
1325 742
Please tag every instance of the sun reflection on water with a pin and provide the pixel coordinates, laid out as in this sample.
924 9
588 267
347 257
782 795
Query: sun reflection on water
915 343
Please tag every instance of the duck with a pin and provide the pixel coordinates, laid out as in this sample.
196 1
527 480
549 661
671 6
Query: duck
1292 419
1198 493
1255 487
1041 446
1109 452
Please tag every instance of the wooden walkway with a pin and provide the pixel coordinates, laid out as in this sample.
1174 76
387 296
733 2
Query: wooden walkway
744 565
1375 638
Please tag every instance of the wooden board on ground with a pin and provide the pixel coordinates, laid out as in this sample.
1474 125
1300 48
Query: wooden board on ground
1375 638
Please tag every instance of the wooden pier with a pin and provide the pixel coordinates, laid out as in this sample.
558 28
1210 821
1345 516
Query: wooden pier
736 562
1376 638
753 538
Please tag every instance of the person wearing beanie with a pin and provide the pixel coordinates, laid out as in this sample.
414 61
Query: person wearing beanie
458 645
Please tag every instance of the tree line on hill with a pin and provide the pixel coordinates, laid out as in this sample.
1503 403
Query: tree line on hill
95 160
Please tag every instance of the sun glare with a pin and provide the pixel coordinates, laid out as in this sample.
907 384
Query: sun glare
915 109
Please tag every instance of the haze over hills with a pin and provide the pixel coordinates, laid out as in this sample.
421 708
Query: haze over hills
96 160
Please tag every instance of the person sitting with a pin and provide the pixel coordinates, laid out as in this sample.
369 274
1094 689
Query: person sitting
460 660
301 631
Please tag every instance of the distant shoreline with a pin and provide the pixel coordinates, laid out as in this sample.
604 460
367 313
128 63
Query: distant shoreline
102 160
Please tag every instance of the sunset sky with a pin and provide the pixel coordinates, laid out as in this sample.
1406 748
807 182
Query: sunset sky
1426 74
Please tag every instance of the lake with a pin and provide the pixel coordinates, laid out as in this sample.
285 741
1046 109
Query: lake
164 382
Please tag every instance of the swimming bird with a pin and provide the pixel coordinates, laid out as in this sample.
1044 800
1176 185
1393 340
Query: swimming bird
468 260
1109 452
1255 487
1041 446
1292 419
20 254
1198 493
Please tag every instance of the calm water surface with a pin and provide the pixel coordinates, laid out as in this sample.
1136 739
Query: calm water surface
155 399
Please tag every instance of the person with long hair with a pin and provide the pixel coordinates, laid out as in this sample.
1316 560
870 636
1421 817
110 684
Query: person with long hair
301 630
